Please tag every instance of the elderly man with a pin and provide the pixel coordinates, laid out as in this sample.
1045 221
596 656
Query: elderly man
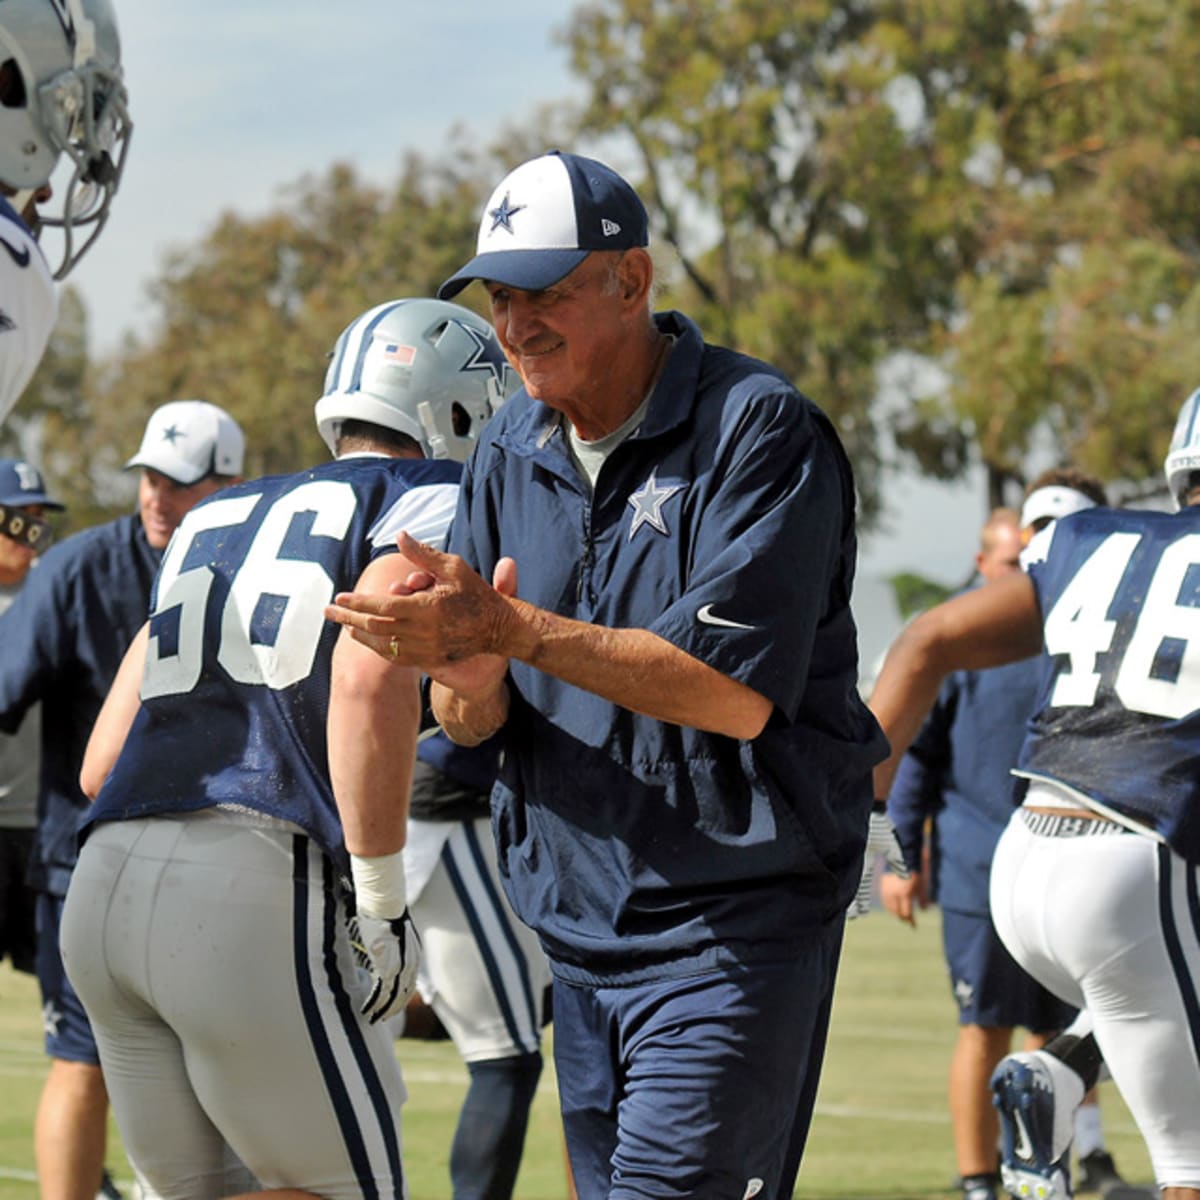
683 803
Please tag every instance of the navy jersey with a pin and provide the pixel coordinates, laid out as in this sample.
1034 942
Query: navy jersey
958 771
236 686
725 525
63 639
1119 712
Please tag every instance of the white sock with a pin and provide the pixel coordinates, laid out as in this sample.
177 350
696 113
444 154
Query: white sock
1089 1136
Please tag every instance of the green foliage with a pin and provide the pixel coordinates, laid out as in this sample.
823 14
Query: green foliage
1000 189
914 593
250 314
822 145
1080 312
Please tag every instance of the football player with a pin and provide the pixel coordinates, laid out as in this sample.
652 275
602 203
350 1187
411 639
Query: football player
1094 882
482 971
61 93
267 762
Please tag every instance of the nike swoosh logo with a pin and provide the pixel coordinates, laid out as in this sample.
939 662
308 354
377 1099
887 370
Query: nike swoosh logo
20 257
706 616
1023 1147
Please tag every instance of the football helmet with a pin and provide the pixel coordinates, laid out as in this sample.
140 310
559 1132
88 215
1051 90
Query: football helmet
61 93
1183 457
427 368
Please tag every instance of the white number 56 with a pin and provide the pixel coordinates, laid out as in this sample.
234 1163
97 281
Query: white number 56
302 587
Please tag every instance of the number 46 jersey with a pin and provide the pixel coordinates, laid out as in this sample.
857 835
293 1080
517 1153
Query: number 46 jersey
1117 718
236 685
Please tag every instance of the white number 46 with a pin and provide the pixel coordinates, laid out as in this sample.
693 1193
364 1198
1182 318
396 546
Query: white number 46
1079 627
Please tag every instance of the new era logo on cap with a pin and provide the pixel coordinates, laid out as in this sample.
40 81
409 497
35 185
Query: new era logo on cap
545 217
189 439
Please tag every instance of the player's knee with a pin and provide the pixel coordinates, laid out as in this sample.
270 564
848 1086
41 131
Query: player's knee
507 1080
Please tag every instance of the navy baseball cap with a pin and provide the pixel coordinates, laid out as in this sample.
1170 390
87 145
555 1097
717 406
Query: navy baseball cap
545 217
21 485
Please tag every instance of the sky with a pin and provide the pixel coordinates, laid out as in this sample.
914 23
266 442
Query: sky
233 101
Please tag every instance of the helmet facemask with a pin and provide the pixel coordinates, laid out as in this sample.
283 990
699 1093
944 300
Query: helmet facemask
64 97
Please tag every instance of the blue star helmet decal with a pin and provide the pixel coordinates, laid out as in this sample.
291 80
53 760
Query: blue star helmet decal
172 434
503 214
647 503
487 355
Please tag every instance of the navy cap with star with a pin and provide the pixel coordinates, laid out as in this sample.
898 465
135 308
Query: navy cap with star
545 217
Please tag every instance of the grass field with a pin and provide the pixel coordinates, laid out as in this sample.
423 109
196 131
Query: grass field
881 1131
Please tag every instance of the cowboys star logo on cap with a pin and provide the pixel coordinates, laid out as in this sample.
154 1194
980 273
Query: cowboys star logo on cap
187 440
503 214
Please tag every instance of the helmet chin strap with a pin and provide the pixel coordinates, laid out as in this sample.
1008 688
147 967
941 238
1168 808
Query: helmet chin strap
437 443
85 33
20 200
496 394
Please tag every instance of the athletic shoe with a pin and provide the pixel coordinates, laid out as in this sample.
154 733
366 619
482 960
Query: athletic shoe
108 1189
1098 1173
980 1187
1023 1093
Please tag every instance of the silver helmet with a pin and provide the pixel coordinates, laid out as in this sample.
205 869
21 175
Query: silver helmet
61 93
1183 457
426 368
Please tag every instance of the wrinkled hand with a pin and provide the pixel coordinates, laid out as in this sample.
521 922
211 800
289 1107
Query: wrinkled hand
881 841
391 951
444 619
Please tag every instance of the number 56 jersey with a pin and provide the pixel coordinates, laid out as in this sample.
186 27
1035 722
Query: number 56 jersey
235 691
1118 716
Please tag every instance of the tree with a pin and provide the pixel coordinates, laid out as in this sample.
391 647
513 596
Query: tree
844 180
248 315
1080 313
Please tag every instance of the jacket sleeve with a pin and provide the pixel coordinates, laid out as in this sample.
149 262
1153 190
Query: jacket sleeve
36 640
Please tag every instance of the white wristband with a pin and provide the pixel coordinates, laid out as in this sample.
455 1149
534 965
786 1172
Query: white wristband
379 886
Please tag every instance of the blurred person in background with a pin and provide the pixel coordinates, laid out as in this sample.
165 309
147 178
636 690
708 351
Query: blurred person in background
24 534
63 638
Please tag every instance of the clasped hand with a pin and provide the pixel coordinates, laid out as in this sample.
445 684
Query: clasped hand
443 619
